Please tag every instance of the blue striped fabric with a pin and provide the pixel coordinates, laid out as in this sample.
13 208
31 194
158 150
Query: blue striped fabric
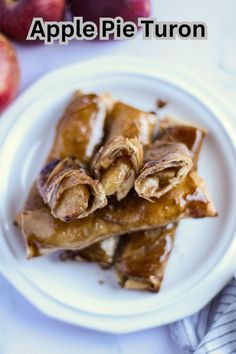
213 329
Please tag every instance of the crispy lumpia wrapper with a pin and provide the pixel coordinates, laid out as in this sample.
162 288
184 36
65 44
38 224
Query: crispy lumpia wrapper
69 192
142 257
166 165
101 252
43 233
80 131
131 122
180 131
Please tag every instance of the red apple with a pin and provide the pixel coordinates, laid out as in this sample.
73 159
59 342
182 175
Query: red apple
16 15
129 10
9 73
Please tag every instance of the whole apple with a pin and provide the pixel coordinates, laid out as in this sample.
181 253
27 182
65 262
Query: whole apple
129 10
16 15
9 73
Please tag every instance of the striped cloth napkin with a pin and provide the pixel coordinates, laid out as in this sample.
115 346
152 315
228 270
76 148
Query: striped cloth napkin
213 329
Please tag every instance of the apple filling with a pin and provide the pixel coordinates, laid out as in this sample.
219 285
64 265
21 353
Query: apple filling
157 181
73 201
118 178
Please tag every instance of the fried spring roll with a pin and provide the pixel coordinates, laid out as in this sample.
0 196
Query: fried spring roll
67 188
69 192
80 131
166 165
43 233
142 258
120 159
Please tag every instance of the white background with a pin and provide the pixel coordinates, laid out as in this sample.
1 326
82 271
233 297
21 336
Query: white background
22 328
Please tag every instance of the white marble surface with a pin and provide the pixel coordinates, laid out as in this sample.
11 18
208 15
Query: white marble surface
22 328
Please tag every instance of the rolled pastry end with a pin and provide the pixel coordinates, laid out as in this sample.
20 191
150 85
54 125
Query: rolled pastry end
167 164
69 192
117 165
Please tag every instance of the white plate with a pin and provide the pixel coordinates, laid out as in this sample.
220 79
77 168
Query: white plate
203 259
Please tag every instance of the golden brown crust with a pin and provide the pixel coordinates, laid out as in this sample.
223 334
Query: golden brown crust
142 258
80 130
166 165
43 233
131 122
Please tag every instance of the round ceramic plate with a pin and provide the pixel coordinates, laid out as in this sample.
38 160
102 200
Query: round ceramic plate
203 259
